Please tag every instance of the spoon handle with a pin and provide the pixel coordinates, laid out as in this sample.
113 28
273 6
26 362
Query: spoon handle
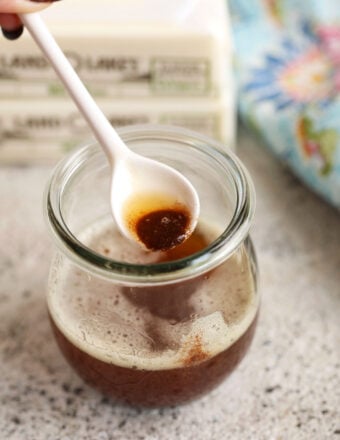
106 135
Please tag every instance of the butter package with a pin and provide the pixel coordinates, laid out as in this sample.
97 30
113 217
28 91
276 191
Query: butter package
127 49
43 133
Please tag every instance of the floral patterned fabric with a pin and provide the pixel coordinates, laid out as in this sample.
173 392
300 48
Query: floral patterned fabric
288 70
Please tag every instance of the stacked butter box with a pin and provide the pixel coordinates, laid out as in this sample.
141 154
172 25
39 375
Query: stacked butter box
144 61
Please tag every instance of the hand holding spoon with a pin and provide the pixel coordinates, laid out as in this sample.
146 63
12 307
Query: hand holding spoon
168 203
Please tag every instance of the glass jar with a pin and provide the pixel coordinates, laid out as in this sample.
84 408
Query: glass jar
153 328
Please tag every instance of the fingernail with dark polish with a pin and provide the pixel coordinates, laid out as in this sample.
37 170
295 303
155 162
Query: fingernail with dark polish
12 34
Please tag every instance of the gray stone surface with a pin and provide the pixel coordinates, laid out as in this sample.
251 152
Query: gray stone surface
287 387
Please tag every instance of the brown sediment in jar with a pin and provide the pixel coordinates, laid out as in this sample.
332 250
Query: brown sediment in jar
163 229
196 352
159 223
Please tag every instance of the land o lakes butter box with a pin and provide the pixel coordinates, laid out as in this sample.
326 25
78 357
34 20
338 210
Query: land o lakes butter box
144 61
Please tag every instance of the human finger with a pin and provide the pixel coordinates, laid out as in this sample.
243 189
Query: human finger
11 26
23 6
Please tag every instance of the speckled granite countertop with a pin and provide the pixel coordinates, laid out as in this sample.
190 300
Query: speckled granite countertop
288 386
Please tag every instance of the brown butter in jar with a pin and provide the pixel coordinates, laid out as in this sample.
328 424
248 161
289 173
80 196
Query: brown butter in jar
155 328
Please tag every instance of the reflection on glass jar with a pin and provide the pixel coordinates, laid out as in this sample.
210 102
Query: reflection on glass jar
153 328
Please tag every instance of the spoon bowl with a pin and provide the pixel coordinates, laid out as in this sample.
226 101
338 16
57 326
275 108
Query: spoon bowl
142 186
136 180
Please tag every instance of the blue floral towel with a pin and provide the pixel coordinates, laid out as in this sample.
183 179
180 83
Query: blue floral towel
288 68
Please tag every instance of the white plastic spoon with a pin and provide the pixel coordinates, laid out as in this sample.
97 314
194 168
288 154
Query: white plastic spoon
133 176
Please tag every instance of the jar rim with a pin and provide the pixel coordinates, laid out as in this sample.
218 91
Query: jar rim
208 258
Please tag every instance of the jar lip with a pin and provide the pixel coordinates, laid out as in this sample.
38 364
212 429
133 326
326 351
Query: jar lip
197 263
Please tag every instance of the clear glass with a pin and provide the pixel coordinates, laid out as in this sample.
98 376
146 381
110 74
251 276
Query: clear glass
153 328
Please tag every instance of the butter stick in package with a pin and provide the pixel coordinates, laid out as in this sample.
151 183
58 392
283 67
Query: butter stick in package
43 133
129 49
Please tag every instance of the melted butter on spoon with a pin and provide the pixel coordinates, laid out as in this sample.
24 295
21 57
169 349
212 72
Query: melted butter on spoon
159 223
